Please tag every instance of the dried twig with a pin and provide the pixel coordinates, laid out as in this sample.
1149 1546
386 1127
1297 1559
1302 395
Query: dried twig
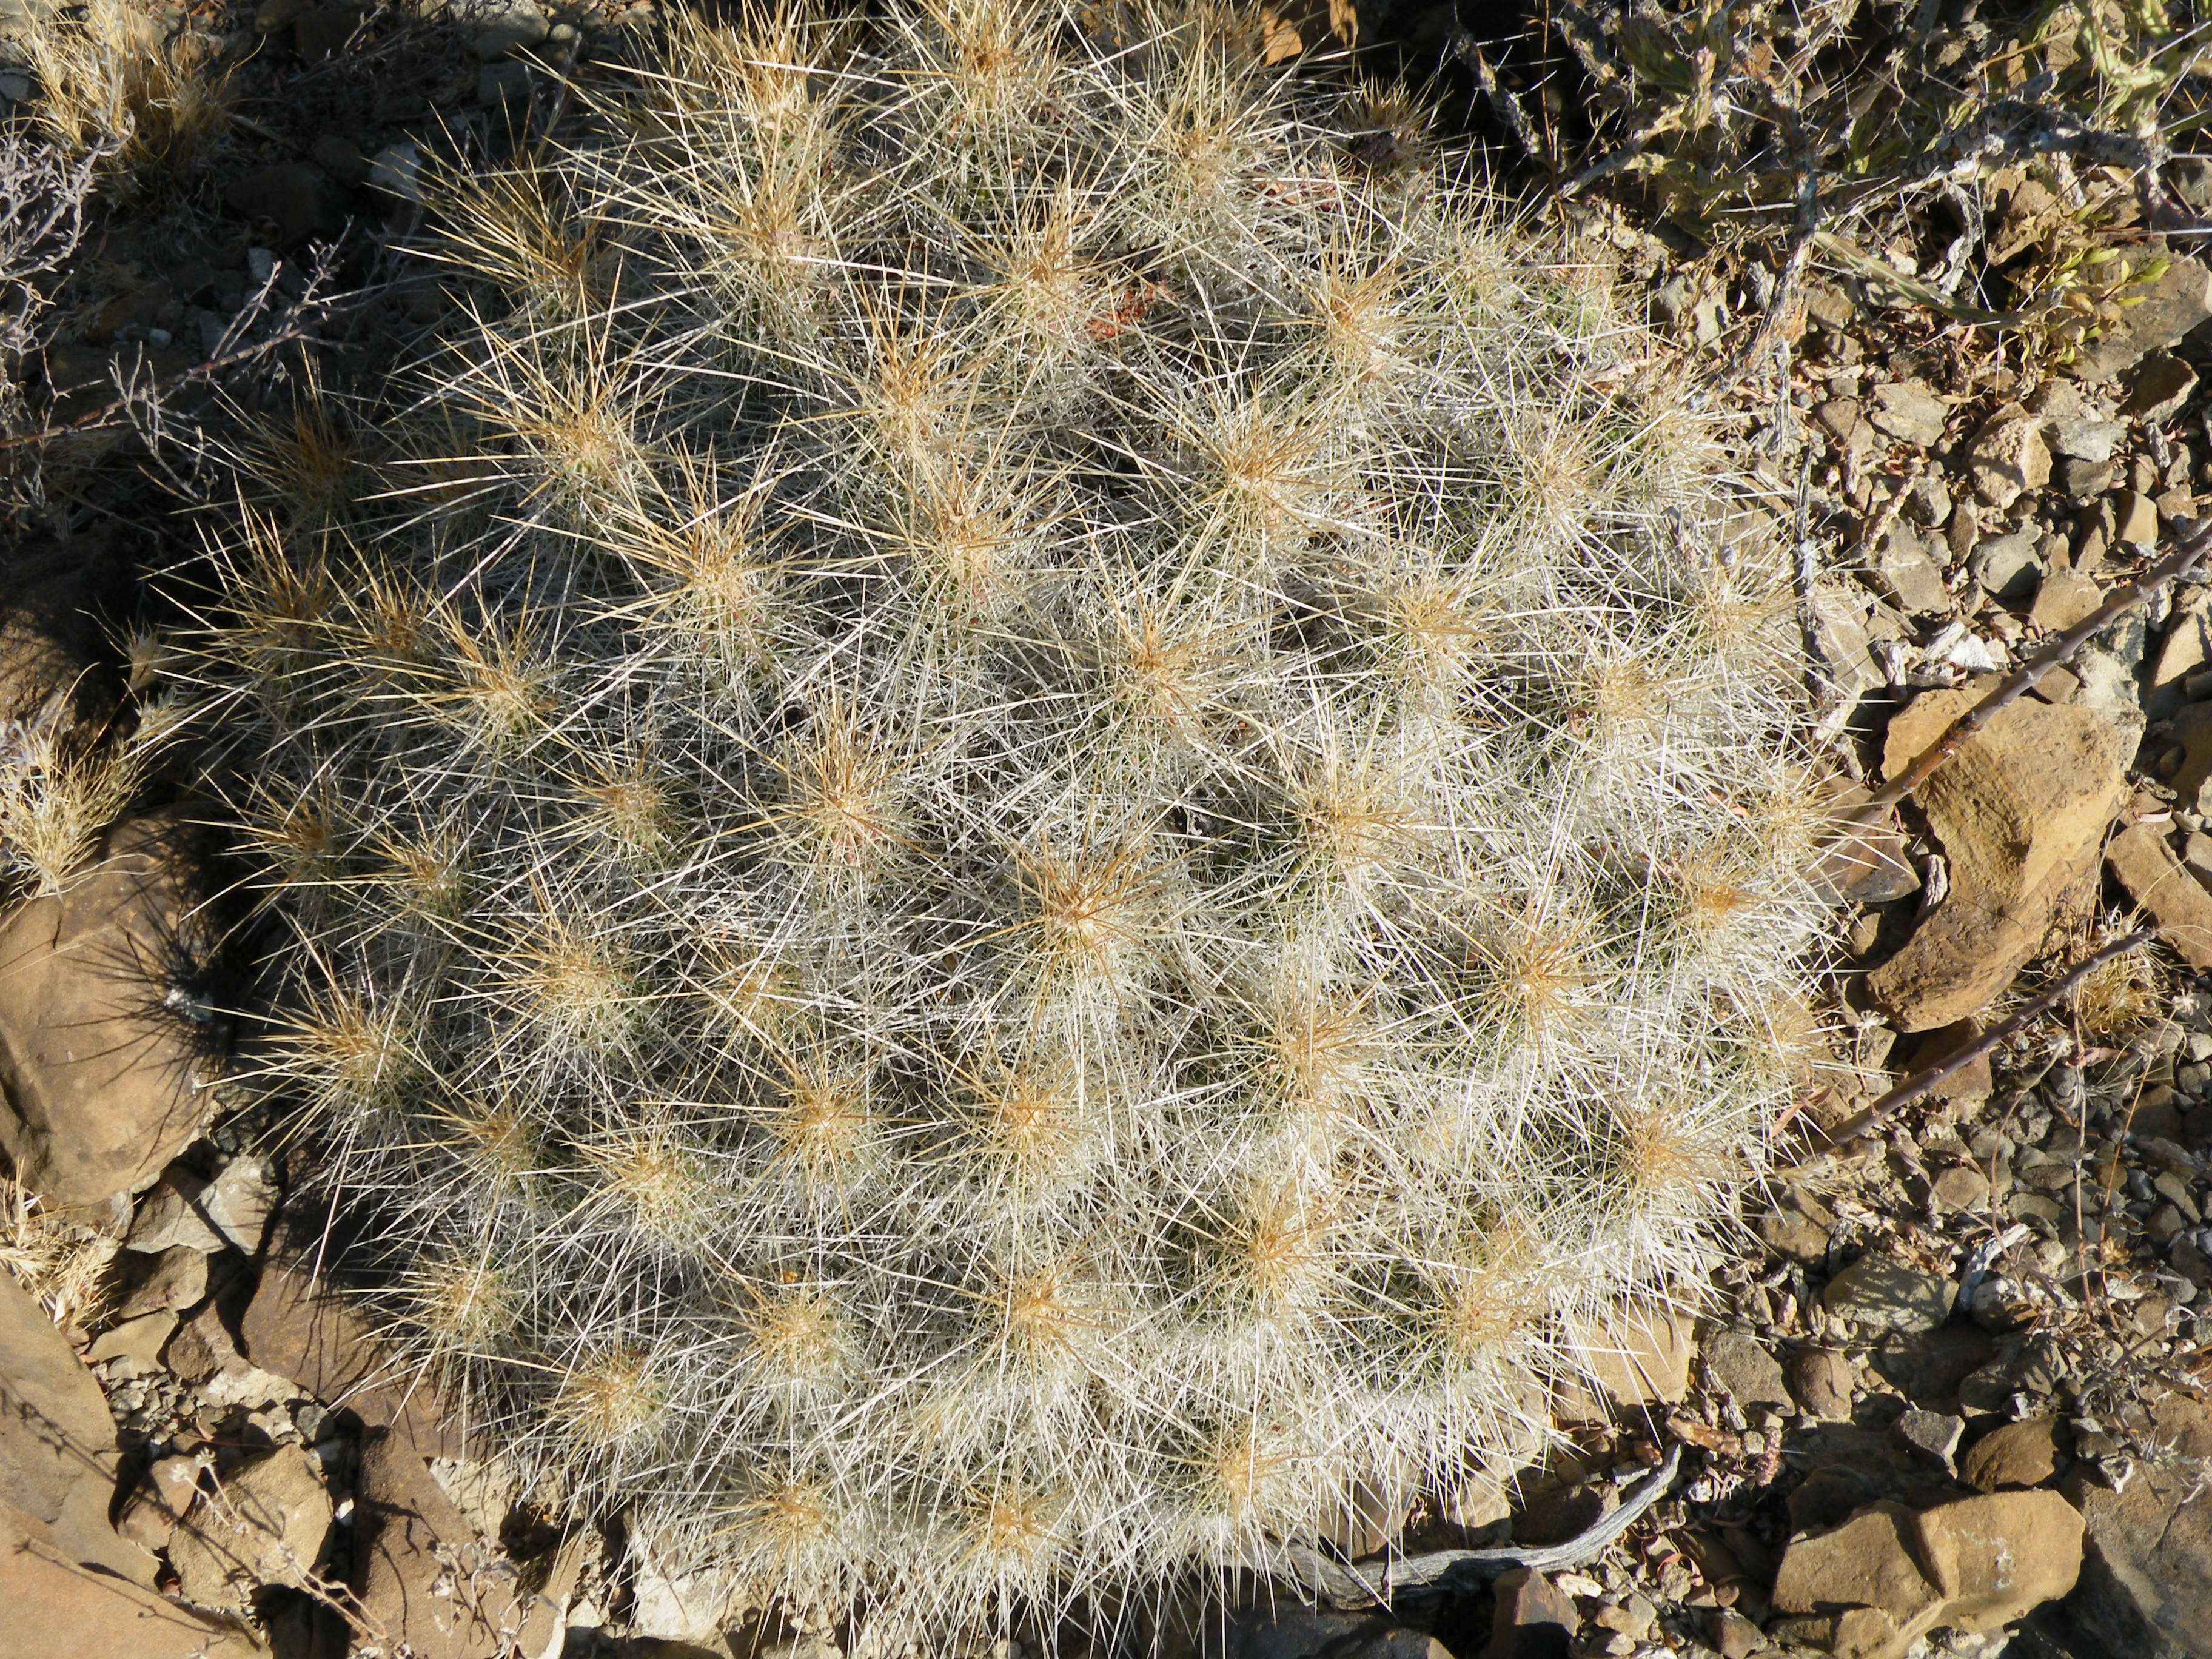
2195 542
1913 1088
1345 1585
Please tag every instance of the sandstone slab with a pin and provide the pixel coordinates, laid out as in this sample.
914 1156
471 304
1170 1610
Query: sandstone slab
105 1074
266 1524
2020 812
57 1607
2158 880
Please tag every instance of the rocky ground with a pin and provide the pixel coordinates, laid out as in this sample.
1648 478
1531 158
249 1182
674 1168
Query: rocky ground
1950 1392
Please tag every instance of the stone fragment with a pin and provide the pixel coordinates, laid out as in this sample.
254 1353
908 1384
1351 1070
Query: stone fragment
2008 457
1639 1357
2078 426
2021 811
1737 1363
1733 1635
1908 411
1844 420
508 26
1936 1434
397 169
159 1500
1820 1378
1535 1618
177 1278
1798 1226
57 1450
2146 1588
1998 1558
2158 387
1861 865
411 1545
1961 1187
2010 567
2158 881
2169 308
57 1607
2082 481
1902 566
1879 1294
233 1210
266 1524
136 1342
507 82
2135 517
1869 1561
2066 596
2023 1453
104 1071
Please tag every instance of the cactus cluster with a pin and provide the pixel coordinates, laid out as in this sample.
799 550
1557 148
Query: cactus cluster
1038 808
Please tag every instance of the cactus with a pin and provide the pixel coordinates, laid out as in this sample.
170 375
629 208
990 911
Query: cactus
1040 805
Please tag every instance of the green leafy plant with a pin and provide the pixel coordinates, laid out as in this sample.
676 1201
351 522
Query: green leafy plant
1040 809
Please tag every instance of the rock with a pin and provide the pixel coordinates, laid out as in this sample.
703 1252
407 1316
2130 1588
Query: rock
1934 1434
341 158
1971 1081
2066 596
60 1608
2024 1454
233 1210
2146 1588
1908 411
1751 1375
1820 1378
1869 1561
296 1327
397 169
1887 1575
2135 520
2008 567
2076 425
2082 481
297 198
2169 308
508 26
1733 1635
266 1524
2157 880
2007 459
136 1342
1641 1357
104 1075
413 1551
2158 387
57 1450
1927 1367
1961 1187
1844 420
1284 1631
2182 655
177 1278
319 32
2021 811
1799 1226
159 1500
1878 1294
1534 1619
1912 577
1999 1557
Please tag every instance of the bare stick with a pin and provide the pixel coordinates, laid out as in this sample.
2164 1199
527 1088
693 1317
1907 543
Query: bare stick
2195 542
1921 1081
1344 1585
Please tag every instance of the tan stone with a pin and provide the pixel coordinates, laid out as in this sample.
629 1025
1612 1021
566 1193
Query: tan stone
266 1524
2021 811
2163 886
57 1450
1997 1558
1638 1357
2007 459
104 1082
1869 1561
2066 596
2024 1454
54 1608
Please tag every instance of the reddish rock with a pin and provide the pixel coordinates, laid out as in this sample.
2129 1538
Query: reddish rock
56 1609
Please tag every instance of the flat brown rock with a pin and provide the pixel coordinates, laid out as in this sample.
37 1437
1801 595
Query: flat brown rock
2020 812
2163 886
55 1608
57 1450
103 1081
